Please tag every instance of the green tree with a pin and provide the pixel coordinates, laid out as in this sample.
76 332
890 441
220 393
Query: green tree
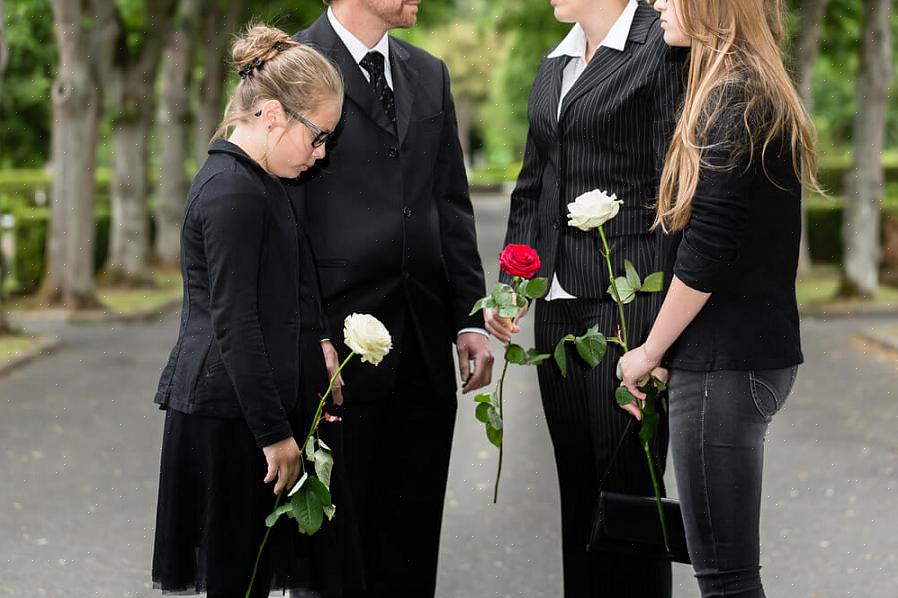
529 30
173 130
4 54
130 83
25 104
865 183
85 34
470 55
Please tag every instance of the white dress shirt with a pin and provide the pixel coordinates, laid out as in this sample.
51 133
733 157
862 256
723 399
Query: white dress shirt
574 45
358 49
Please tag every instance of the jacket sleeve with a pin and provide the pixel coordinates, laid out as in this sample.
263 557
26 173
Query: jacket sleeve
234 220
313 314
458 235
720 210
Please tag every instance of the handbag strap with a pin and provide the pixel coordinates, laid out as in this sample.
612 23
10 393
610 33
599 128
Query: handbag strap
620 443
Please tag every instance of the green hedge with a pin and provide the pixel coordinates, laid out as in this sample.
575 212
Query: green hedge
31 247
831 173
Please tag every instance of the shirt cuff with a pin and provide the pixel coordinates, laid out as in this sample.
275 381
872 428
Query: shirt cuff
477 330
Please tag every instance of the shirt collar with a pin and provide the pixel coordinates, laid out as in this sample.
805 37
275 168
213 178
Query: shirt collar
574 44
355 46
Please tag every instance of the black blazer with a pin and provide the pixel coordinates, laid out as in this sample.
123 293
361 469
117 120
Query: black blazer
741 245
237 353
389 216
615 126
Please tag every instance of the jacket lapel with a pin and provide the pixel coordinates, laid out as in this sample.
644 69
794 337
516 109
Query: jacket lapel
555 82
322 35
606 61
405 82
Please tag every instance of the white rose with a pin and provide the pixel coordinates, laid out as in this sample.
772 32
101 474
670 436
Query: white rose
367 337
593 209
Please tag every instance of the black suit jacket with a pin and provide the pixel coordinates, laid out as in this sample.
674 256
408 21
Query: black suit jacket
389 217
615 126
237 349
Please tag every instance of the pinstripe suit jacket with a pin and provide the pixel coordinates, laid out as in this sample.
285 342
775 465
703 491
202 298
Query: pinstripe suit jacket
615 125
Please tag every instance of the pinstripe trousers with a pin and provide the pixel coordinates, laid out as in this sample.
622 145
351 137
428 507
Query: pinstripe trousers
585 425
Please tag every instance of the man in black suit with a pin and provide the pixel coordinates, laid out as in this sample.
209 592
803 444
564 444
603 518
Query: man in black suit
390 221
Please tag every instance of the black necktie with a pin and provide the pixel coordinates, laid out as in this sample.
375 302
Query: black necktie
373 62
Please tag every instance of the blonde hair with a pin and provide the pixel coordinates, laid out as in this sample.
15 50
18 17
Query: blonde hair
735 66
272 66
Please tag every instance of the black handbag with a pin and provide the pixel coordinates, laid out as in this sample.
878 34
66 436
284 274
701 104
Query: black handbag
629 524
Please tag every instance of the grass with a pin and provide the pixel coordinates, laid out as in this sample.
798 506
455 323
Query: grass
123 301
12 345
138 300
820 289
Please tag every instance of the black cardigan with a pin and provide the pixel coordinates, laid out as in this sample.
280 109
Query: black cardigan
741 245
237 349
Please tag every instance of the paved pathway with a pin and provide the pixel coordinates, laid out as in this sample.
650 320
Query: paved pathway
79 445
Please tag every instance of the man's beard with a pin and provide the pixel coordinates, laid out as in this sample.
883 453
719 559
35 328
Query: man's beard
392 14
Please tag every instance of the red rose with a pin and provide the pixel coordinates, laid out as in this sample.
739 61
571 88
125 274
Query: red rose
519 260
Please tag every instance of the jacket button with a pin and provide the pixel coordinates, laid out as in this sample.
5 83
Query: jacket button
555 225
393 152
407 212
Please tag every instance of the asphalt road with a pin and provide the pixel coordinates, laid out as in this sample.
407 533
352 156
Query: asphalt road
79 448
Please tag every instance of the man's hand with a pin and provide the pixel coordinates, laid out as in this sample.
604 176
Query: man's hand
332 363
474 349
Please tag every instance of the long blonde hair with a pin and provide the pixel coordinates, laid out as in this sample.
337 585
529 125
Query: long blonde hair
735 56
274 67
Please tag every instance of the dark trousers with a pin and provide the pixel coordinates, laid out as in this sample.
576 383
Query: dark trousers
585 425
397 458
718 421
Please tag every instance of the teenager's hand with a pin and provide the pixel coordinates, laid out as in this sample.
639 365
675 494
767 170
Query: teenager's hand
634 366
284 463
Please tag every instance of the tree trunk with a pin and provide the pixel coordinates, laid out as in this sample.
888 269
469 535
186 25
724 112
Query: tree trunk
864 183
4 47
129 243
217 29
4 53
173 126
132 93
77 107
807 49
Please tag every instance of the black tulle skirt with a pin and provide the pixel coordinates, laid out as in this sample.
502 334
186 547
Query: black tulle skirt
212 506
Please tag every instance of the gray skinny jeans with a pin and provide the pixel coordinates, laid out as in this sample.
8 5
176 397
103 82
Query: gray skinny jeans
718 421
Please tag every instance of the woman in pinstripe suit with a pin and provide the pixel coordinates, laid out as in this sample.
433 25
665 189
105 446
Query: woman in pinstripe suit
602 111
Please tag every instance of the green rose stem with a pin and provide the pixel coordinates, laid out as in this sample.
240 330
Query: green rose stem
617 299
501 444
625 345
315 421
656 487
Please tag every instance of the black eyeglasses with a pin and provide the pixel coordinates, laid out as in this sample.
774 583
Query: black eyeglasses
321 135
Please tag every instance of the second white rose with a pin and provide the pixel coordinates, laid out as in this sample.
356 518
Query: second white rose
593 209
367 337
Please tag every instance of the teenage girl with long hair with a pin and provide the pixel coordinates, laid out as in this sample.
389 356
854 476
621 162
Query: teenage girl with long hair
728 328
